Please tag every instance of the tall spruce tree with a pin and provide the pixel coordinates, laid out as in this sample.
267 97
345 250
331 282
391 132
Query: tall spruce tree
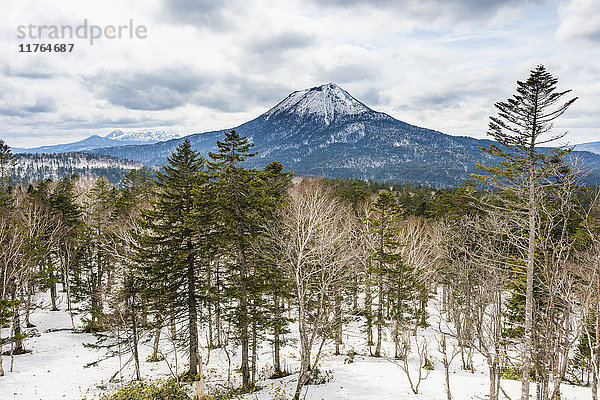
272 287
63 203
171 252
8 244
386 259
6 162
240 198
520 128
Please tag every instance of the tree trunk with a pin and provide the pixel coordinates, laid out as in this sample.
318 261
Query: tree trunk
68 285
276 340
53 292
379 319
136 357
1 368
193 317
369 310
396 335
18 342
594 384
338 324
355 293
154 356
254 353
218 307
528 333
244 335
211 340
446 367
28 323
200 384
304 375
596 355
305 347
493 368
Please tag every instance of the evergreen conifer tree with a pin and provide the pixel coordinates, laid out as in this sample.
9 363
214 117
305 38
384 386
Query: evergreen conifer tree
523 170
171 252
384 222
244 200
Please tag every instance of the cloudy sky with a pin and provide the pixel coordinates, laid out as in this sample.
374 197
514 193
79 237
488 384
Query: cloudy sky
207 65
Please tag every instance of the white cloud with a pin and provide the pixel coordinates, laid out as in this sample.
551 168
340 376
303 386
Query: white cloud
580 19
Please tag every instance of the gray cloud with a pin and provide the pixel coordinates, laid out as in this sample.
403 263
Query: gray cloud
349 73
200 13
41 105
238 93
28 74
429 10
282 42
167 89
374 97
157 90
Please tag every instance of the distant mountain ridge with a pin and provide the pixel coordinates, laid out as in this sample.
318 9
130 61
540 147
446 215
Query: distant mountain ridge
326 131
592 147
142 136
114 138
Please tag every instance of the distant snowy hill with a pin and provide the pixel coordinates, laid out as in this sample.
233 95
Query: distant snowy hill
114 138
37 167
149 136
592 147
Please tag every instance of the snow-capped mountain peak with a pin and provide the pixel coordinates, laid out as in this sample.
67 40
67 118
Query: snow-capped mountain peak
325 102
143 136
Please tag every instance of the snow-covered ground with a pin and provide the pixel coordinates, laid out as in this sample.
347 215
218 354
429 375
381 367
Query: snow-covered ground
61 367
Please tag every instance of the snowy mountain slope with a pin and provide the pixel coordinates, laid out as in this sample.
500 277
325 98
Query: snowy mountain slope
325 131
325 102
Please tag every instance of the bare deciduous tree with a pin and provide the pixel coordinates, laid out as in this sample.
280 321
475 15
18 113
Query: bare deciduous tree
317 255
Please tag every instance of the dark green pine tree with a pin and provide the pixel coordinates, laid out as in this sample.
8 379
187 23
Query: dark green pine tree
63 204
239 195
7 161
170 254
7 305
136 190
271 285
386 216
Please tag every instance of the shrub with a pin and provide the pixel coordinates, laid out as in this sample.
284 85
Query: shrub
514 372
318 377
168 390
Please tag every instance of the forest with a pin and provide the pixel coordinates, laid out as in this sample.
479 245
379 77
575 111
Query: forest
210 254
